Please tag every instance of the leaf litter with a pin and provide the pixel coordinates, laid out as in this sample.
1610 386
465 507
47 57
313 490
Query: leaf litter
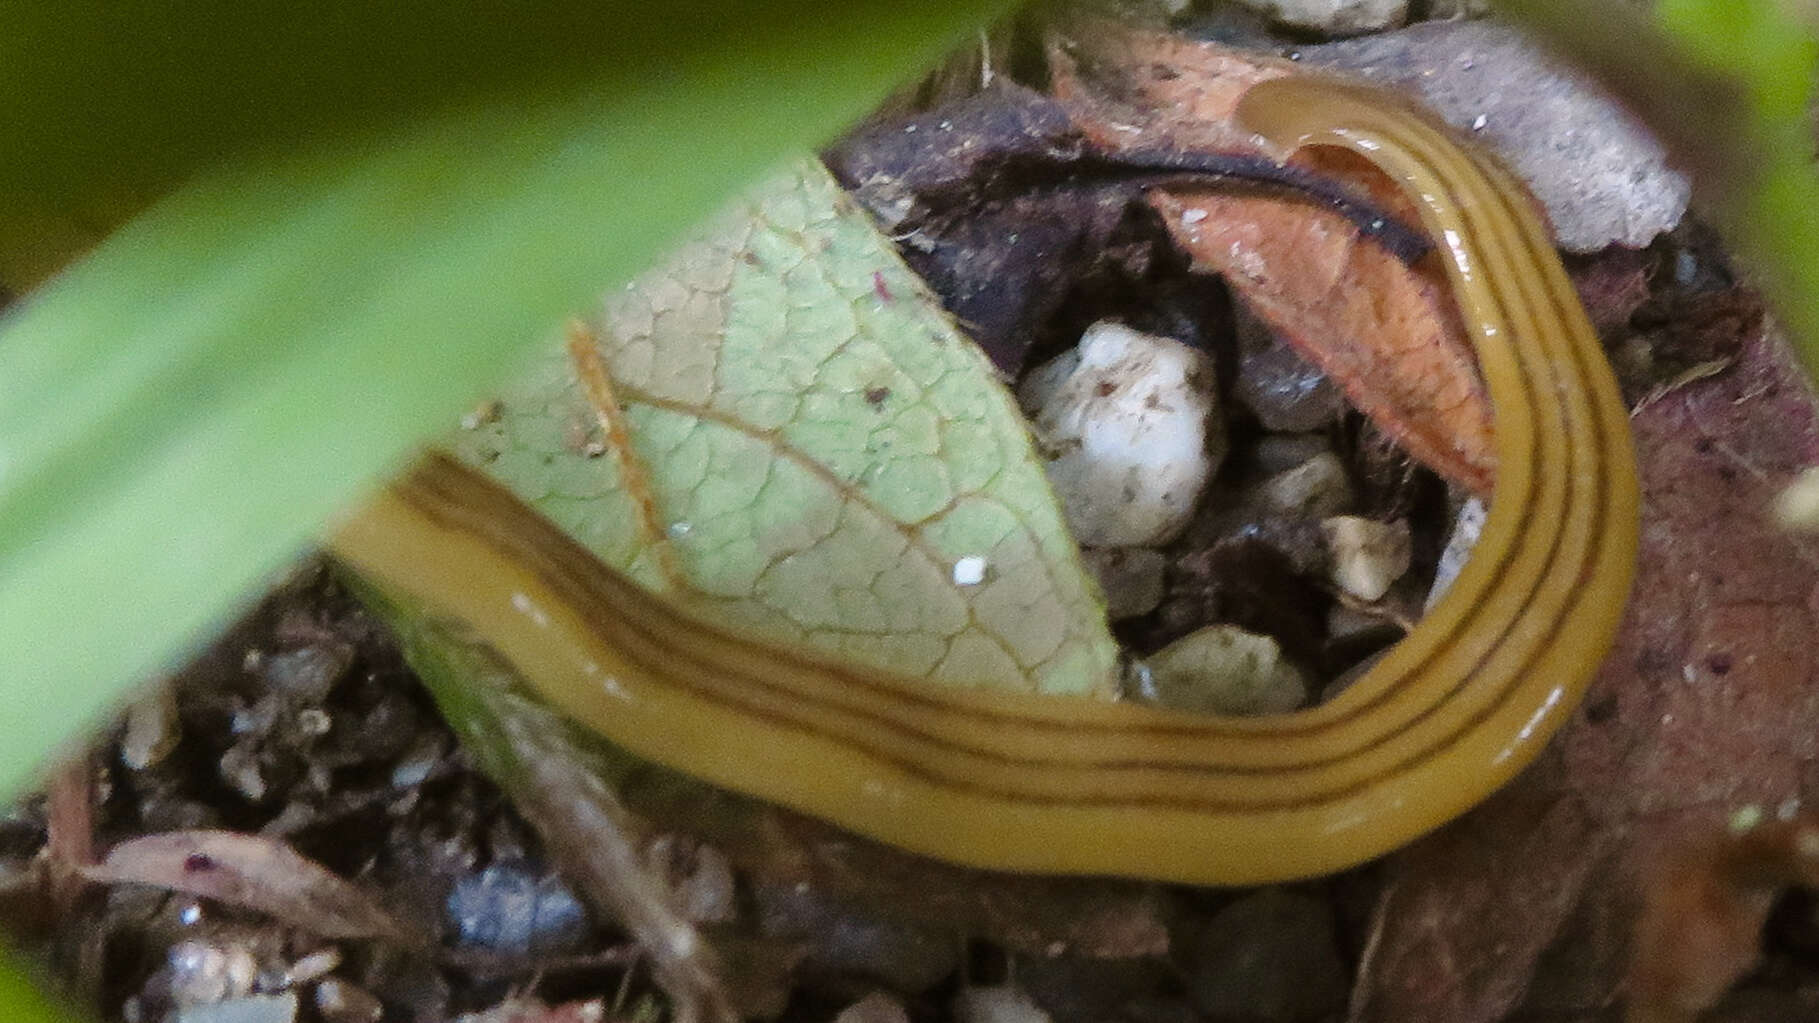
1384 330
1523 907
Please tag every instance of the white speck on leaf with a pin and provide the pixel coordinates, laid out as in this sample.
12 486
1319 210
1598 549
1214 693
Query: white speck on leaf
969 571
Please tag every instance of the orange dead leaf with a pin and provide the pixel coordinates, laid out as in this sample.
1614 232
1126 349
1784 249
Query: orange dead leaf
1384 331
1133 89
1703 910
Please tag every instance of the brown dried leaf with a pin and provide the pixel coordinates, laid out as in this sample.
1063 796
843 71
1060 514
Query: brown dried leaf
1703 909
254 873
1708 704
1133 89
1384 331
70 830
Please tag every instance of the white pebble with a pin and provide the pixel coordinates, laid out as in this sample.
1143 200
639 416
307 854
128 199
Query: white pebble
1316 488
996 1005
1368 556
1127 422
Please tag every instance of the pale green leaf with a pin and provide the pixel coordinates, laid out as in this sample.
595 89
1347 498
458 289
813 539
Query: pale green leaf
815 452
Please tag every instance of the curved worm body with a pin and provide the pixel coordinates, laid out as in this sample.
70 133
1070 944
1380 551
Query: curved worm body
1059 785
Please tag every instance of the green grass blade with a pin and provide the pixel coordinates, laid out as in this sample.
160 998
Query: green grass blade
22 1002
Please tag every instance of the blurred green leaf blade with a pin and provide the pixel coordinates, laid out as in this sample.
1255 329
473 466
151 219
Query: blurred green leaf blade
179 412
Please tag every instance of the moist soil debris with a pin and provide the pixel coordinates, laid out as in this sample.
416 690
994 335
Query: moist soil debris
303 730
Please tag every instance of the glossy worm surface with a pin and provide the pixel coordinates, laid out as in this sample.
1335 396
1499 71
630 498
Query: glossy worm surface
1060 785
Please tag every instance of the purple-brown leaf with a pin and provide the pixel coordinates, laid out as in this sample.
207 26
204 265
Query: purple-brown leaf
255 873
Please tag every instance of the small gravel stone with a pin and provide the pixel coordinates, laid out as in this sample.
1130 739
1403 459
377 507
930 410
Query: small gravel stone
1280 452
341 1002
1078 989
1284 391
508 907
1344 624
699 876
1316 488
1270 956
1368 556
1354 637
314 722
310 673
278 1008
1127 422
846 941
1466 527
258 719
417 763
1005 1004
876 1007
1130 577
202 973
313 967
239 768
1334 17
1222 669
152 729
